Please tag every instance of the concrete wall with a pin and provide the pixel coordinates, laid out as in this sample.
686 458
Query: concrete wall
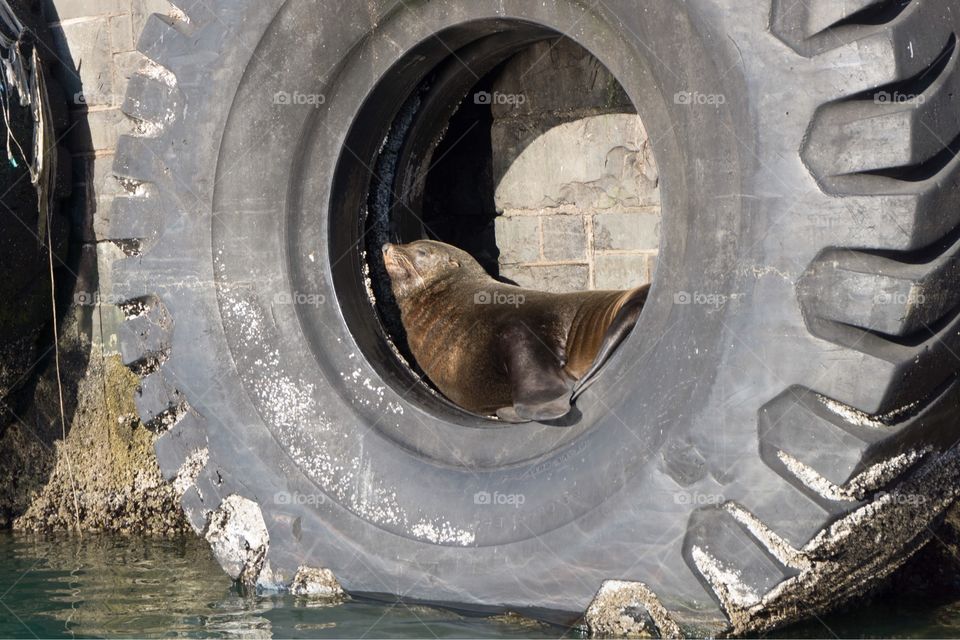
576 183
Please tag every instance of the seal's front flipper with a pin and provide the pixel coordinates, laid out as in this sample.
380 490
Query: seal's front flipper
541 408
539 387
618 330
509 414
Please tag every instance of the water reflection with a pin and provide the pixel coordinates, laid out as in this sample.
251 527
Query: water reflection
111 586
118 586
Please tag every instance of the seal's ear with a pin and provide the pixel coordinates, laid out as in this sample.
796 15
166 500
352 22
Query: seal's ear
453 263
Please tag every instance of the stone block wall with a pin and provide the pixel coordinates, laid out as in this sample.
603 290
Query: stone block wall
96 42
98 37
576 185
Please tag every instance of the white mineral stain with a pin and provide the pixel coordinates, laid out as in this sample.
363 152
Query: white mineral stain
726 582
190 470
289 403
863 483
153 70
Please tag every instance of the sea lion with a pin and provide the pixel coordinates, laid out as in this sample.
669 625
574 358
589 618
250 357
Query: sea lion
494 348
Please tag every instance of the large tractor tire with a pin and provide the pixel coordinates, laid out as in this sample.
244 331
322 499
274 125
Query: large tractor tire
774 437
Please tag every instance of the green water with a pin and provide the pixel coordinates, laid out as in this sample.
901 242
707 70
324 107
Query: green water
117 586
110 586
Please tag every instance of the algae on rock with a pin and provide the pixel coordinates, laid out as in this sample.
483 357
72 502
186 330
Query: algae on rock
104 475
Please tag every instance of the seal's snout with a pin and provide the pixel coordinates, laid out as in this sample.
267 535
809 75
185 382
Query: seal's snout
391 260
389 253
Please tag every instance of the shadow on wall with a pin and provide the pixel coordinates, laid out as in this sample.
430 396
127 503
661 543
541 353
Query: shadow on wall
30 413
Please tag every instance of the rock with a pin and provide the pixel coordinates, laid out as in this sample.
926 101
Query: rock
315 582
239 538
628 610
104 476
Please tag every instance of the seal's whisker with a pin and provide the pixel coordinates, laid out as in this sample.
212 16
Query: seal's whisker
408 265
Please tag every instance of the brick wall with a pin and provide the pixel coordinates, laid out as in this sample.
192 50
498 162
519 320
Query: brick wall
576 184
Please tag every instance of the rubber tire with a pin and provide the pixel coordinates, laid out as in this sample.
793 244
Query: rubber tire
774 437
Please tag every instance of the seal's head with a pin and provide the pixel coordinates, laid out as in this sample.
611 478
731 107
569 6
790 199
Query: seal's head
418 265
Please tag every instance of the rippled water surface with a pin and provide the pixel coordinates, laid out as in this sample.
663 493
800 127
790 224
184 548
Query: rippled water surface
119 586
111 586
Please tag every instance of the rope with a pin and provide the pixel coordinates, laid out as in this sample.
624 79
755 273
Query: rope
26 79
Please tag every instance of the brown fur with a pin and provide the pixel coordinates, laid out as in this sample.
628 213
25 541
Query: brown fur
458 322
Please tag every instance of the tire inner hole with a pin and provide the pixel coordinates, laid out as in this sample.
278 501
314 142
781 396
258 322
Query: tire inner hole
539 167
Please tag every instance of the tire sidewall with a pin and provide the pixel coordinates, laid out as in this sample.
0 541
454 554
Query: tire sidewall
301 406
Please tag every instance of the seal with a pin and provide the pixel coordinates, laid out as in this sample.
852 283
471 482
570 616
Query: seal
498 349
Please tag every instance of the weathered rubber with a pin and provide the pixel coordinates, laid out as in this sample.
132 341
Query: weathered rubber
751 461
